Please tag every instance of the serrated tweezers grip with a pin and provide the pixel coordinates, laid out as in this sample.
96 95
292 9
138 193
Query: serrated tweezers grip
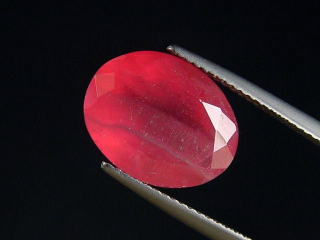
293 117
199 222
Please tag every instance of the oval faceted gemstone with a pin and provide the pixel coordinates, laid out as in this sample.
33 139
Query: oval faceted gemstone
161 120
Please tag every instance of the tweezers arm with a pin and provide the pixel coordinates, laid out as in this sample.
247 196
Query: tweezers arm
300 121
182 212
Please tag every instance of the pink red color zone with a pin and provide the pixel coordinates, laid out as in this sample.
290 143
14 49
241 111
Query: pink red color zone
161 120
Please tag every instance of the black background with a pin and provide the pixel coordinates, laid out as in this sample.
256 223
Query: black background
52 184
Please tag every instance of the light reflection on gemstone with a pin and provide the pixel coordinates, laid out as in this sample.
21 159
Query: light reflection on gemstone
222 158
224 127
104 83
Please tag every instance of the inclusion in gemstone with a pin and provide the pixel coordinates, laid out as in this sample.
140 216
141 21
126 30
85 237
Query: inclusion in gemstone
161 120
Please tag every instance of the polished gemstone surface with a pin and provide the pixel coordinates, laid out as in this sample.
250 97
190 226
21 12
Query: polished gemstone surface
161 120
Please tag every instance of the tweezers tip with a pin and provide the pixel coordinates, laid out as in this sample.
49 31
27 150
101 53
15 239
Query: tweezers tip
105 164
171 48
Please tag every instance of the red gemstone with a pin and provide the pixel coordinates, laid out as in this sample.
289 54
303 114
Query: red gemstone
161 120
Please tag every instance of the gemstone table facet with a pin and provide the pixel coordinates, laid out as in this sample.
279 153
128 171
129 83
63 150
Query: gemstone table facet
161 120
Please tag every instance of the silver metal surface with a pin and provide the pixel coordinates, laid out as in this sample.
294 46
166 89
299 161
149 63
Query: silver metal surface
300 121
290 115
199 222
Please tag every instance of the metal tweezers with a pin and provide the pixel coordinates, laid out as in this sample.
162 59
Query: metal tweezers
296 119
